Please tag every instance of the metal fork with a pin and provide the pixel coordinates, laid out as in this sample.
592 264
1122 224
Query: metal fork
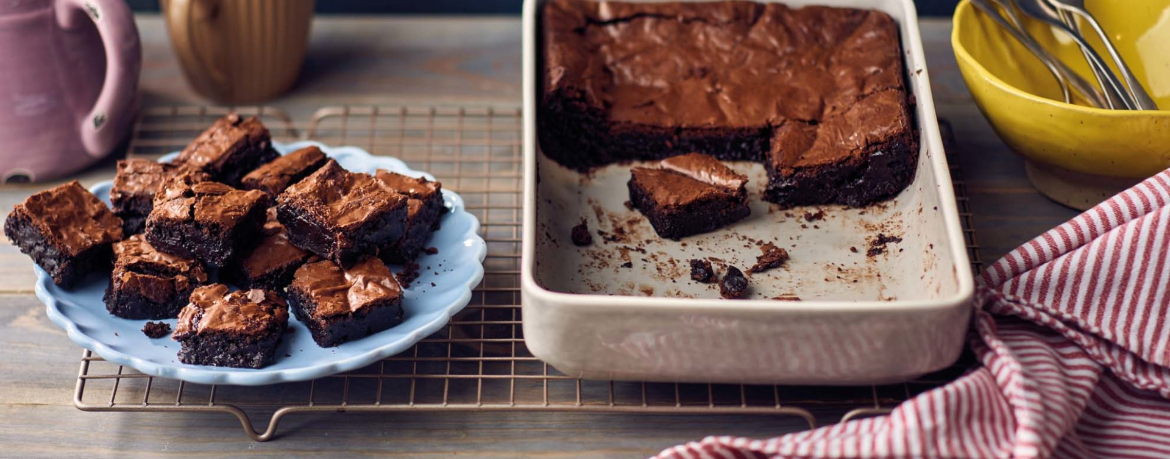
1140 96
1110 85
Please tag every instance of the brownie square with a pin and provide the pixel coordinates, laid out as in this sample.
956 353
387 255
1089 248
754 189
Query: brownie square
240 329
66 230
232 147
689 194
132 196
340 305
738 74
340 215
424 208
208 221
148 284
272 263
274 177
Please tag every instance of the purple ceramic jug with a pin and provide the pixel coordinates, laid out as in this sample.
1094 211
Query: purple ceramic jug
68 84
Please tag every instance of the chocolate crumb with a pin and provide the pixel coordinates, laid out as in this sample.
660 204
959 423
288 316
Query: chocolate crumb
877 246
734 285
701 271
803 226
812 217
773 257
432 284
286 355
435 250
853 249
787 297
409 274
628 264
156 330
581 236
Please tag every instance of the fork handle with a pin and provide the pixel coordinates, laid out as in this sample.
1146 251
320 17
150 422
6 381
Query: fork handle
1140 96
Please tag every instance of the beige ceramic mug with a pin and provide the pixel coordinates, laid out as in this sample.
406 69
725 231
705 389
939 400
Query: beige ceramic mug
239 51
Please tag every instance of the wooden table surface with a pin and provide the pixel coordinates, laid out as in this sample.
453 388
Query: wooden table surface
424 61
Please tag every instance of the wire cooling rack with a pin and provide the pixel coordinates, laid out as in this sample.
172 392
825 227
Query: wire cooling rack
479 361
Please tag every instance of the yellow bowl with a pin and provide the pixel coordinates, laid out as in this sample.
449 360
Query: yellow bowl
1023 102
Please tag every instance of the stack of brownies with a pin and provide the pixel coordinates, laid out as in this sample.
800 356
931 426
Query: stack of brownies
293 231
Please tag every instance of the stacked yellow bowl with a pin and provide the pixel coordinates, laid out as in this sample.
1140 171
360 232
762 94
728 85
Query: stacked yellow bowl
1076 154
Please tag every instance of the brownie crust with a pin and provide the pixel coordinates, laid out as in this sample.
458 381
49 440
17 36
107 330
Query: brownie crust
689 194
132 195
274 177
148 284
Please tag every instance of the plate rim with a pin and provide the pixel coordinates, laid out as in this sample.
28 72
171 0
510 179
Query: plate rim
206 374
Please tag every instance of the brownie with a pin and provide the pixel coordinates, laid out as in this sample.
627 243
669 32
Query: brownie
238 329
424 208
208 221
156 330
340 215
274 177
148 284
132 196
271 264
689 194
340 305
228 150
739 81
66 230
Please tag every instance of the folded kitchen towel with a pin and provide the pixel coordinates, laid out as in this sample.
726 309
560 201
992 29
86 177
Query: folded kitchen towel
1072 332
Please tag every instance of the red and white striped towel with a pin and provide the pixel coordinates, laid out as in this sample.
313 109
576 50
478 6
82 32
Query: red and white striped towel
1072 332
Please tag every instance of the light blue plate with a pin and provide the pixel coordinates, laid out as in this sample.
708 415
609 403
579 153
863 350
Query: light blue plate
442 289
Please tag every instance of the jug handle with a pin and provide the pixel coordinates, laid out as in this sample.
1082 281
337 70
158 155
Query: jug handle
115 23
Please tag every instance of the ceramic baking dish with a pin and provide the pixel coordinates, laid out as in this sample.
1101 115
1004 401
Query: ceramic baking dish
625 308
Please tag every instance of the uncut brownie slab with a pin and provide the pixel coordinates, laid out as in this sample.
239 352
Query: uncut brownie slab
232 147
423 211
735 76
274 177
239 329
132 195
340 215
148 284
689 194
208 221
66 230
340 305
271 264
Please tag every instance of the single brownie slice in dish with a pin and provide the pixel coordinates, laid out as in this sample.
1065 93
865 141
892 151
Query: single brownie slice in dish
232 147
271 264
239 329
208 221
340 215
148 284
66 230
424 208
132 196
340 305
689 194
274 177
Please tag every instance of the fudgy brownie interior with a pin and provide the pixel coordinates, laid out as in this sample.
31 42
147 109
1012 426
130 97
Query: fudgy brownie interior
815 93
